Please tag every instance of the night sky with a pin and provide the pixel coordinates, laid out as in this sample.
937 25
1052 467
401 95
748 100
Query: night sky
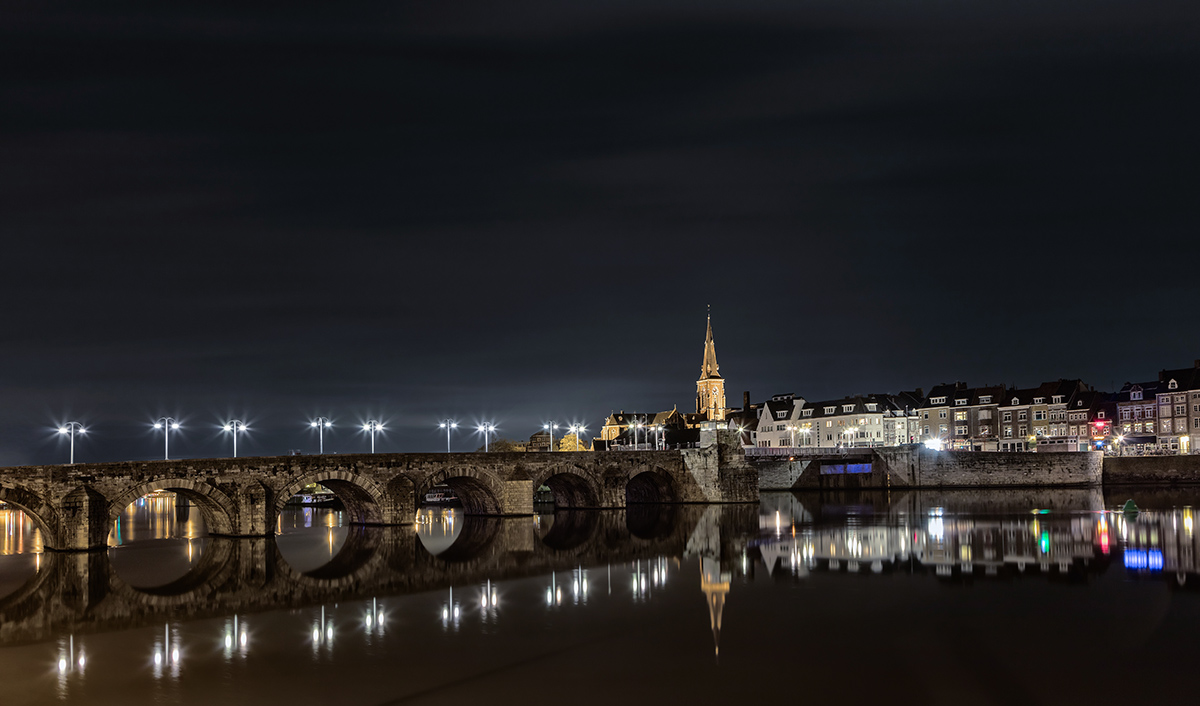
519 211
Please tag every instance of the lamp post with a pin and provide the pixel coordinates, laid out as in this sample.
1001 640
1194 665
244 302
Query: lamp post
372 427
486 429
550 427
320 424
235 426
168 425
637 426
577 429
70 428
447 424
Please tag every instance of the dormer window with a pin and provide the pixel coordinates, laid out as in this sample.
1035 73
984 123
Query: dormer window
1016 401
830 410
1039 400
937 400
781 414
1135 394
1057 399
871 407
986 399
1172 385
1100 414
807 412
847 408
960 402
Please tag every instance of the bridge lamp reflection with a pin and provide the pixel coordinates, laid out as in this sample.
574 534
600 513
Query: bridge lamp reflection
451 612
71 429
372 427
554 591
235 427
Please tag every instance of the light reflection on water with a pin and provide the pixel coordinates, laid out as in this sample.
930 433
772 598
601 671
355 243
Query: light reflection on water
804 566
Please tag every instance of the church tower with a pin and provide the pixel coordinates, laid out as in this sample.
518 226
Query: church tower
710 388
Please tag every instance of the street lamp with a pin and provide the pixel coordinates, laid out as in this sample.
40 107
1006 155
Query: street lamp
235 426
70 428
372 427
447 424
486 429
168 425
550 427
577 429
636 427
320 424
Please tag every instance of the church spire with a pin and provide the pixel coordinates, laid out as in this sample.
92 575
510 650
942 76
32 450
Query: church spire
709 368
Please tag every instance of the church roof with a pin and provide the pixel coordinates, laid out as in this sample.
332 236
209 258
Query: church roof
709 368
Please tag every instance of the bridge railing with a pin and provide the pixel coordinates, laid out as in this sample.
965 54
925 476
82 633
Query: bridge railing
776 451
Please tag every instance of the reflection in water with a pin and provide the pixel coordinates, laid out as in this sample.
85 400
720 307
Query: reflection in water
169 533
463 628
310 537
438 527
20 550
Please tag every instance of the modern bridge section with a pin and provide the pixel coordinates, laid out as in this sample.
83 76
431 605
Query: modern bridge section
75 506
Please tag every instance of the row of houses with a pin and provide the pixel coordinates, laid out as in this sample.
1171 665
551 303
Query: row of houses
1158 416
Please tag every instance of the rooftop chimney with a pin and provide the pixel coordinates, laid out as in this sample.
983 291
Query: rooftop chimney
746 395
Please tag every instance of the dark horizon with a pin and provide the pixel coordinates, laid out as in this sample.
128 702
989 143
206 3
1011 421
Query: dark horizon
411 213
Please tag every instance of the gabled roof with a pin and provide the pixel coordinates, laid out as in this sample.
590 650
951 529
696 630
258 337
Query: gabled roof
1185 378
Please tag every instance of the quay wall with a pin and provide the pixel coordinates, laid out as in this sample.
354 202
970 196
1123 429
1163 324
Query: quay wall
1151 470
920 467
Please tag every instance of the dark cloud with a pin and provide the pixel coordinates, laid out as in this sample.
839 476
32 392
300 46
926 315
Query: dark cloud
520 210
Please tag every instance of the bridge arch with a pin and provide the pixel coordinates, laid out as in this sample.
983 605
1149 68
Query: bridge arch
651 486
361 496
477 490
219 512
37 509
213 569
571 486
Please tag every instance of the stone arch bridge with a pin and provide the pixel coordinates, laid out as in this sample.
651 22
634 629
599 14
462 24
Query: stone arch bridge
75 506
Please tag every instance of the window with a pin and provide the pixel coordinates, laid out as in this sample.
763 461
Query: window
828 423
1149 427
937 400
781 414
960 416
960 431
926 431
1024 430
985 430
1016 401
847 408
1023 415
985 399
1164 411
960 403
1180 398
942 429
1056 399
807 412
1039 415
1008 416
871 407
985 414
942 414
1039 400
1196 423
1149 412
1180 410
927 413
1008 432
1172 385
830 410
1166 426
1135 394
1100 414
